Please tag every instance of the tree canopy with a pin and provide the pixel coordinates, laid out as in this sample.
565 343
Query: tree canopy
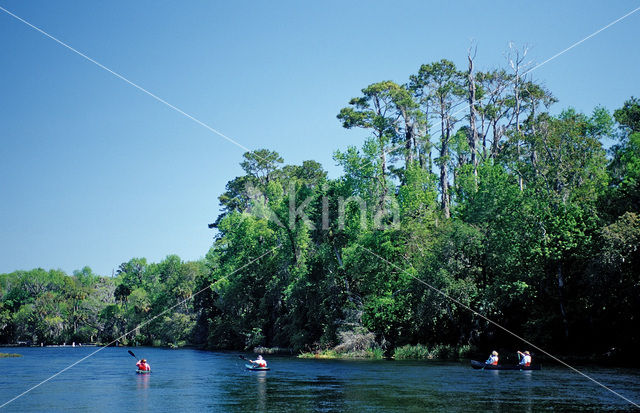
510 209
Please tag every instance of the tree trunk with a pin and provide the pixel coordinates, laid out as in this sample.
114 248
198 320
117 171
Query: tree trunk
534 153
422 161
515 64
408 145
563 312
444 163
495 145
473 131
383 168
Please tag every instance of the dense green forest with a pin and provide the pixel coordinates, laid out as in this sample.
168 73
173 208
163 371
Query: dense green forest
466 182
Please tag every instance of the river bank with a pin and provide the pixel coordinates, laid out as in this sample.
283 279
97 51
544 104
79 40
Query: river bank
455 353
408 352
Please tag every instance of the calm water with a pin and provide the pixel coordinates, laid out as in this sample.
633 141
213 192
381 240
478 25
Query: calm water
191 380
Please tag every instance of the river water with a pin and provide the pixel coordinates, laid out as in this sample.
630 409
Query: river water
191 380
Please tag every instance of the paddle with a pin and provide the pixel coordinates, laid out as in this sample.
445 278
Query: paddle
246 359
253 363
519 358
135 357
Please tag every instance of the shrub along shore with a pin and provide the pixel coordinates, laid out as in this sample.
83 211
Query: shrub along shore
407 352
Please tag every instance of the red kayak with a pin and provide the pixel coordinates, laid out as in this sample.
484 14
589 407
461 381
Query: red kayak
256 368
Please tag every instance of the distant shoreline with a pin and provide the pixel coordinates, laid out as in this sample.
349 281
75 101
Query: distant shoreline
48 345
580 360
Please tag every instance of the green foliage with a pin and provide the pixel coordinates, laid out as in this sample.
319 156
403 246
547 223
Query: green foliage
372 354
438 352
528 223
448 352
53 308
628 116
409 352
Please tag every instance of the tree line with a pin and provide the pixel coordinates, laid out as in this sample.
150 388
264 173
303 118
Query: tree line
465 182
51 307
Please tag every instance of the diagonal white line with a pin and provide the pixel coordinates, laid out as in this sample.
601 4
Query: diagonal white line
581 41
199 122
447 296
543 63
371 252
137 327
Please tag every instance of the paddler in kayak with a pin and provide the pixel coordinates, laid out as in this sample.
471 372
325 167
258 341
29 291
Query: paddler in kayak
493 358
260 362
143 365
526 358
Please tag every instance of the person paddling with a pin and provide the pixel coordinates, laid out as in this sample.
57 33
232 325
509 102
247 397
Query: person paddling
526 358
142 365
259 361
493 358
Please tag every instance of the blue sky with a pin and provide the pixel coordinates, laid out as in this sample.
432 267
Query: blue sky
95 172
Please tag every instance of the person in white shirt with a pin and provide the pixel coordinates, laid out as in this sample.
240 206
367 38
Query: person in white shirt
260 362
526 358
493 358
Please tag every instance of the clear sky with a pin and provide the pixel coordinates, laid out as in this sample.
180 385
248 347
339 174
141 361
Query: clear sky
95 172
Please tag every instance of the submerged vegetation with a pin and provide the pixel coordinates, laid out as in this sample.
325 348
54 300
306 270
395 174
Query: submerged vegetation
466 193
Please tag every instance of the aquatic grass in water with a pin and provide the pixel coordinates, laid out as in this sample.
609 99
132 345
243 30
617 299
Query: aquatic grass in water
417 352
439 352
3 355
370 354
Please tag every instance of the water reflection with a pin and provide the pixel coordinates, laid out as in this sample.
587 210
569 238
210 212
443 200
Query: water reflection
527 386
142 381
495 389
261 390
329 393
142 392
279 390
508 390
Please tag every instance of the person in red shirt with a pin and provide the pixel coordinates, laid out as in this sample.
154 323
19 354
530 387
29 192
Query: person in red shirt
259 361
143 365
